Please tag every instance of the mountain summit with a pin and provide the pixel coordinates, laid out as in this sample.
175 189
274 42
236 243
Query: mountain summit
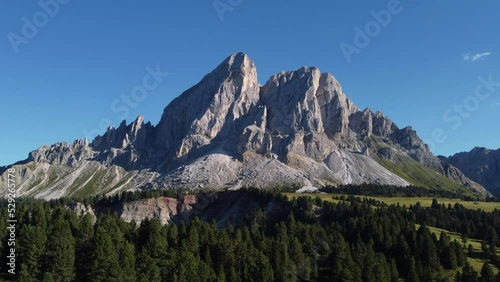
228 131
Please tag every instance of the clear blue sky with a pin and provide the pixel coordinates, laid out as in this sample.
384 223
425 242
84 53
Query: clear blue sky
65 78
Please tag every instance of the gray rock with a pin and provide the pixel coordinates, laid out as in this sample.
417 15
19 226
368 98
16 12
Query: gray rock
362 123
335 107
387 153
290 98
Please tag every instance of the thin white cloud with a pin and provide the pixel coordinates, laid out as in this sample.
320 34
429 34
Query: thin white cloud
475 57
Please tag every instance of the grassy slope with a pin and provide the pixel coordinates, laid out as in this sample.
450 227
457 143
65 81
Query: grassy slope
415 172
93 179
100 177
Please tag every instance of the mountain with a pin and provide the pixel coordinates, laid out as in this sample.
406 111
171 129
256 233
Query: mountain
229 131
480 164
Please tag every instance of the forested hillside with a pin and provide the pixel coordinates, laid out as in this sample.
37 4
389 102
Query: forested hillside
352 240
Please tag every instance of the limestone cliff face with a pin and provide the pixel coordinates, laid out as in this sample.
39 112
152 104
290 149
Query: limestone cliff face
163 208
291 102
335 107
306 101
299 128
211 109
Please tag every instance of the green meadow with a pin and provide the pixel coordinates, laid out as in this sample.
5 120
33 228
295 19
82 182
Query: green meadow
424 201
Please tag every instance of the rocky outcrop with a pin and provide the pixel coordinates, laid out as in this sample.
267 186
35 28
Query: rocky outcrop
362 123
62 153
230 207
129 146
228 131
81 209
138 135
409 141
164 209
382 125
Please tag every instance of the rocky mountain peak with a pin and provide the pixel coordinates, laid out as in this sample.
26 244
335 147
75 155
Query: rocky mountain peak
228 131
81 142
481 150
239 62
208 110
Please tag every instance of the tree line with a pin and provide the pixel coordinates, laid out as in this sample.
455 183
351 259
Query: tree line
371 189
351 240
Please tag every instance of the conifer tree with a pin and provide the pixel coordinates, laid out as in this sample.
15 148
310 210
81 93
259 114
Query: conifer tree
487 274
412 273
32 240
105 264
84 248
61 250
394 271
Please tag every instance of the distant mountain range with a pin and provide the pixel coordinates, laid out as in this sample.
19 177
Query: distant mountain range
229 131
481 164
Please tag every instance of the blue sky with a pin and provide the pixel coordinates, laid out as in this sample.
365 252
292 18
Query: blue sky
66 76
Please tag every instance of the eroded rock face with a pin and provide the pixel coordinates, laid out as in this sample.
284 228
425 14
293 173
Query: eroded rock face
334 105
228 131
362 123
290 98
382 125
62 153
306 100
82 209
163 209
211 109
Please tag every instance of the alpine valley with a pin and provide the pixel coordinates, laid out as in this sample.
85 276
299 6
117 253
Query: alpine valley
228 131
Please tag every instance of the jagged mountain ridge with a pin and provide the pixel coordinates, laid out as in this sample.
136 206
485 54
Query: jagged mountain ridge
228 131
480 164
